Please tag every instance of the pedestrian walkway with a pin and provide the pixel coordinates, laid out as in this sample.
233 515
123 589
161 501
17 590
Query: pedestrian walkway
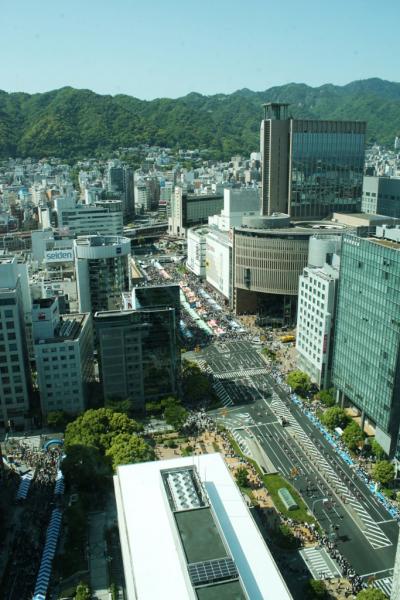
240 373
97 556
241 442
319 563
222 394
385 585
373 533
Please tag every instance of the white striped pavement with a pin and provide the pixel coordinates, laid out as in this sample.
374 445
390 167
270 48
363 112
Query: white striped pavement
373 533
319 563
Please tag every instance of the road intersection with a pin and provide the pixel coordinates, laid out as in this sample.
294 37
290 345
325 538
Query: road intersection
254 406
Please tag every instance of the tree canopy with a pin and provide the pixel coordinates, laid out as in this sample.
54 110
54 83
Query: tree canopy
326 397
334 417
98 427
196 385
129 448
316 590
75 123
353 436
82 592
299 382
371 594
377 450
242 477
383 472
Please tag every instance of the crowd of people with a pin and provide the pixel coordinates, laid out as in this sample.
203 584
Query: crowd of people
30 523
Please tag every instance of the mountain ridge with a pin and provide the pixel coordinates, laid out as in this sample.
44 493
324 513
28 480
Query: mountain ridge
71 123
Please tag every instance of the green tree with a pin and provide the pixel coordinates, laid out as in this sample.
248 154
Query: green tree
334 417
286 538
196 385
57 419
118 405
353 436
129 448
383 472
299 382
371 594
377 450
86 467
326 397
316 589
98 427
242 477
175 415
82 592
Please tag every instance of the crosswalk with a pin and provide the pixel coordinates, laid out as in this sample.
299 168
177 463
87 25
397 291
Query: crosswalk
385 585
240 373
241 442
374 534
319 563
222 394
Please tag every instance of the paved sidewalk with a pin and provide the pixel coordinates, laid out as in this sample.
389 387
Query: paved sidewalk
98 565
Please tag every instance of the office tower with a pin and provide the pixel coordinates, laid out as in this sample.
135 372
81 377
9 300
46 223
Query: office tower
381 195
120 178
104 217
138 354
102 265
142 197
64 357
366 357
15 379
310 168
316 309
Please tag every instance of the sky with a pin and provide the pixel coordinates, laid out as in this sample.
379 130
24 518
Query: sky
168 48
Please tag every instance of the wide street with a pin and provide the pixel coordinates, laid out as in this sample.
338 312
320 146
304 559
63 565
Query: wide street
254 405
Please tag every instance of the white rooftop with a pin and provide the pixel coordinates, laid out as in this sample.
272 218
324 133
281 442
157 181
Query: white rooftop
152 557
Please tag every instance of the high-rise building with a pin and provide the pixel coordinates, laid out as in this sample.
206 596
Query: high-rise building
120 179
381 195
15 378
64 357
102 271
366 359
310 168
316 309
138 354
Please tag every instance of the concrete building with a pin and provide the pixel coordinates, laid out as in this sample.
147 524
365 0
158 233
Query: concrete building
363 224
381 195
139 356
366 369
316 309
189 210
196 250
103 218
269 255
142 197
102 271
212 548
64 357
310 168
219 262
15 377
237 203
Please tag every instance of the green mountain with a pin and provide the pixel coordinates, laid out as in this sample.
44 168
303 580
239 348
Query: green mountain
72 123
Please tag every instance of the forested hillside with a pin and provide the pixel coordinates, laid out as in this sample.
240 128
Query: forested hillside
74 123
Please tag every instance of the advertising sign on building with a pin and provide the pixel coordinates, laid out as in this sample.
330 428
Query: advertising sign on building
66 255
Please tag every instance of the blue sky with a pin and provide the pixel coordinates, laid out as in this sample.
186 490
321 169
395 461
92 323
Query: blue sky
169 48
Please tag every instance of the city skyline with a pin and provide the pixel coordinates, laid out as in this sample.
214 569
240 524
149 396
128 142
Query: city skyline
169 51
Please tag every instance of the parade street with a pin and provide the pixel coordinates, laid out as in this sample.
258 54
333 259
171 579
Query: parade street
255 408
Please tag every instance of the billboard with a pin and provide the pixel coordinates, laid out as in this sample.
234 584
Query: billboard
66 255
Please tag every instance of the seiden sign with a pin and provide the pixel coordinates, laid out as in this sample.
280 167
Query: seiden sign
59 256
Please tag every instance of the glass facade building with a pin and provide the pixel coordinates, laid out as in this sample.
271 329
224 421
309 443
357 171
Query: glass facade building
138 354
367 336
311 168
